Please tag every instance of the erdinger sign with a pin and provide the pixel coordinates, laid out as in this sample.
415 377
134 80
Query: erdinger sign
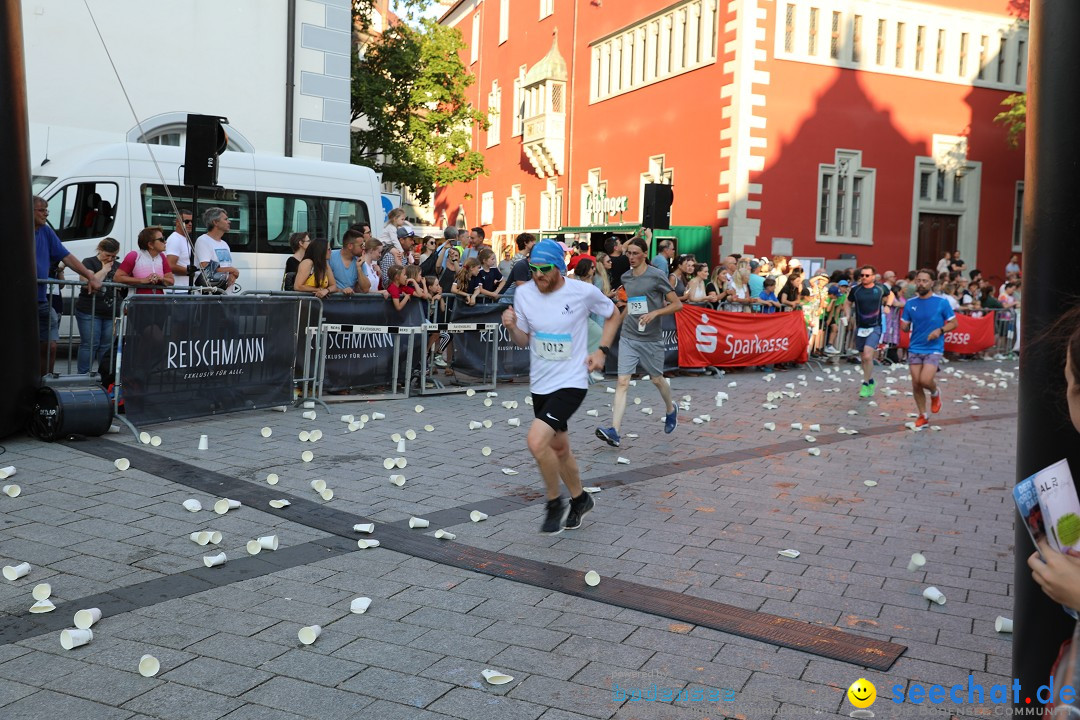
727 339
970 336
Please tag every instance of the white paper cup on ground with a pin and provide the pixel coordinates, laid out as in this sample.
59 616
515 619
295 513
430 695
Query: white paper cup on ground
155 441
401 445
934 595
149 666
192 505
253 547
770 426
916 562
74 637
388 463
204 442
201 537
304 436
593 413
326 494
122 464
410 434
419 408
272 479
445 535
309 634
396 437
415 522
7 472
278 504
214 560
377 416
215 537
477 516
318 485
42 606
354 426
84 619
623 461
12 490
496 677
224 505
487 423
487 402
400 463
364 528
315 436
310 415
266 432
429 428
592 578
309 404
14 572
509 471
514 422
348 418
1003 624
814 451
268 542
485 451
365 543
360 605
815 428
307 456
398 480
144 437
474 425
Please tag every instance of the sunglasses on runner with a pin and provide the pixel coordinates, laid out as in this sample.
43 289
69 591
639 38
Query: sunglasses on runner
546 267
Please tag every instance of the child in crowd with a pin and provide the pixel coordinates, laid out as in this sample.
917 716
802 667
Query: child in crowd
413 280
466 284
489 280
400 291
769 302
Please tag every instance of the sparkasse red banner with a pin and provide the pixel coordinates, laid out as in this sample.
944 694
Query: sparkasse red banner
727 339
971 335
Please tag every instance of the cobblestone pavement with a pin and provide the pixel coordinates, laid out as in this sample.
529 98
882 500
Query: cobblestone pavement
702 512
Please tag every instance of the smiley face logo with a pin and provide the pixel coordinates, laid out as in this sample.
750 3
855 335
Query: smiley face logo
862 693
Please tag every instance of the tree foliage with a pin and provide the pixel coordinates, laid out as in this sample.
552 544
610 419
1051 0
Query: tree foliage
1015 117
416 127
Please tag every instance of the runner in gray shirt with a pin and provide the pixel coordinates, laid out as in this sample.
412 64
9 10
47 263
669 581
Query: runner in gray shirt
648 296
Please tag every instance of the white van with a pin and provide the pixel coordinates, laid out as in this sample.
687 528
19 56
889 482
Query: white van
115 191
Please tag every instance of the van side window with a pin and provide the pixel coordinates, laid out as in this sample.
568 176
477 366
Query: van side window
157 210
281 215
85 210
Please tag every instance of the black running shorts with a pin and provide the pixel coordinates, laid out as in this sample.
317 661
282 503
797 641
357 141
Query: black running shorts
556 408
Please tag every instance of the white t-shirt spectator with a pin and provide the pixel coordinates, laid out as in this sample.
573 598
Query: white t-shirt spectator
207 249
178 245
558 323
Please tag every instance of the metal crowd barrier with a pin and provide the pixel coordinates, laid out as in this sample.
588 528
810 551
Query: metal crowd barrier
431 384
308 386
70 333
397 332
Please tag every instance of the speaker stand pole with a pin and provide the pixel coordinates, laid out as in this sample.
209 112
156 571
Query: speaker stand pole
192 261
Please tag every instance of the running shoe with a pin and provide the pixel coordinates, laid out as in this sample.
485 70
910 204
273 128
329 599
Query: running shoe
609 435
831 350
921 420
671 420
578 507
935 402
873 387
556 516
438 361
865 390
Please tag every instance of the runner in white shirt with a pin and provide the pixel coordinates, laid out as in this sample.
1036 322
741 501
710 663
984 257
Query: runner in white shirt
178 252
551 317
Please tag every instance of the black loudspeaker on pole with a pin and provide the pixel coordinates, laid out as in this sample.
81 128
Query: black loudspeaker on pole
1051 226
19 361
205 140
656 206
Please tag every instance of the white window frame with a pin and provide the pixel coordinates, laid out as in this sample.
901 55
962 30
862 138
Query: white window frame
515 211
494 113
671 42
487 208
593 185
474 40
551 205
547 8
504 21
843 172
517 126
657 173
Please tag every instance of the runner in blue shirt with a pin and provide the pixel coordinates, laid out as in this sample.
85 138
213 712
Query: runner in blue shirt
927 318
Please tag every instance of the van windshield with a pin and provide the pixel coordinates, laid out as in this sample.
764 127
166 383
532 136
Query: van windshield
40 182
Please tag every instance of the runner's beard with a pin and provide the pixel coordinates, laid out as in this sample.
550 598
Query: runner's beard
923 292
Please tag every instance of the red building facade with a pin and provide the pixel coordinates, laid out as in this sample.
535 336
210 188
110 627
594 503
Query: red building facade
814 128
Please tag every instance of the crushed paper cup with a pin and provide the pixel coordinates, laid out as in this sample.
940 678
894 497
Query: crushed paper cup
14 572
917 562
514 422
84 619
318 485
266 432
1003 624
809 438
934 595
360 604
326 494
732 384
647 411
415 522
419 408
204 442
310 415
706 417
366 543
364 527
487 423
7 472
41 591
591 489
610 390
485 451
528 400
278 504
42 606
509 404
122 464
814 451
631 435
224 505
509 471
470 392
789 553
493 394
75 637
307 456
592 578
623 461
192 505
309 404
304 436
214 560
309 634
473 425
496 677
149 666
400 463
398 480
410 434
698 421
592 413
445 535
477 516
376 416
852 412
201 537
272 479
870 483
316 435
429 428
487 402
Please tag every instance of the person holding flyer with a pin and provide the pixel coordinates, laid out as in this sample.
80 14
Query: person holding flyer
927 317
551 316
649 296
